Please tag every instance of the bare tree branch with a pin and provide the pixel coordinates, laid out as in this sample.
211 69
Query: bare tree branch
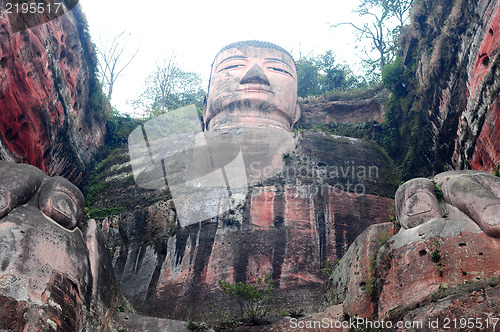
352 24
378 31
111 63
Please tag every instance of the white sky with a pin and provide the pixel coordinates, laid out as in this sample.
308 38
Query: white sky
195 30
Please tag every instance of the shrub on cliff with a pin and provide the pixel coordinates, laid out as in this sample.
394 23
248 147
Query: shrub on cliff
97 105
118 128
254 299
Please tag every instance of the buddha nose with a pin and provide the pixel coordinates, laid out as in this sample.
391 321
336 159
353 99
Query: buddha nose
255 75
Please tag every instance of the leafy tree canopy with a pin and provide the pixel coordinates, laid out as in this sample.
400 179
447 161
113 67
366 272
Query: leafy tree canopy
169 87
319 74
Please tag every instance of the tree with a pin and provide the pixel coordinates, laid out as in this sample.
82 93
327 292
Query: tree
400 9
254 300
379 28
111 61
169 87
334 75
307 77
319 74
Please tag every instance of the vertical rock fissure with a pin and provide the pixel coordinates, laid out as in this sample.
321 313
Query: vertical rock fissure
206 239
320 213
279 238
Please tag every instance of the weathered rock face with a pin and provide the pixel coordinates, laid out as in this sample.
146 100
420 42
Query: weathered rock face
354 282
456 85
288 226
352 111
134 323
482 114
439 258
481 307
45 114
52 278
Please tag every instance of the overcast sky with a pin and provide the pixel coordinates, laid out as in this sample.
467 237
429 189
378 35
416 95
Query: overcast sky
195 30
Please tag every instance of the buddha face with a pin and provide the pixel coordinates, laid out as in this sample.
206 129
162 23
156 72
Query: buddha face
252 86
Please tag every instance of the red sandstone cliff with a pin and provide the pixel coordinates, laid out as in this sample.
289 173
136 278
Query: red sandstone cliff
289 226
46 117
451 55
346 110
482 115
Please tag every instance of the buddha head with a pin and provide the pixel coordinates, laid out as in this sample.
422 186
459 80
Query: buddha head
252 84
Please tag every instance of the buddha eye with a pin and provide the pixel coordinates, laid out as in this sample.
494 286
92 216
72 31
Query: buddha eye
232 67
279 70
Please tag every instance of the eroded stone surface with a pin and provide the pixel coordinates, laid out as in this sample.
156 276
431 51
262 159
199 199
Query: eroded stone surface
354 280
466 195
46 267
44 87
352 111
135 323
416 203
288 226
51 276
479 309
417 264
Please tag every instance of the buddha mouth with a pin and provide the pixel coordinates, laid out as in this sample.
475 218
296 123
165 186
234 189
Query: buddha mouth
256 89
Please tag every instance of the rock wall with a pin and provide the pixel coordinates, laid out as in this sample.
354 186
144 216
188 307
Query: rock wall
482 115
46 116
451 99
52 279
444 267
347 110
289 226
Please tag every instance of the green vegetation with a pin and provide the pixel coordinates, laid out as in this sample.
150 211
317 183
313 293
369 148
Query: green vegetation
443 292
169 87
427 58
325 294
98 105
436 257
327 271
496 171
118 128
382 22
254 300
371 288
465 288
195 326
174 228
438 191
102 212
436 254
286 158
112 177
317 75
382 241
220 319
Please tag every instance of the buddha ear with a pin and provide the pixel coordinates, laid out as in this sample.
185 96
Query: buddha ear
298 113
